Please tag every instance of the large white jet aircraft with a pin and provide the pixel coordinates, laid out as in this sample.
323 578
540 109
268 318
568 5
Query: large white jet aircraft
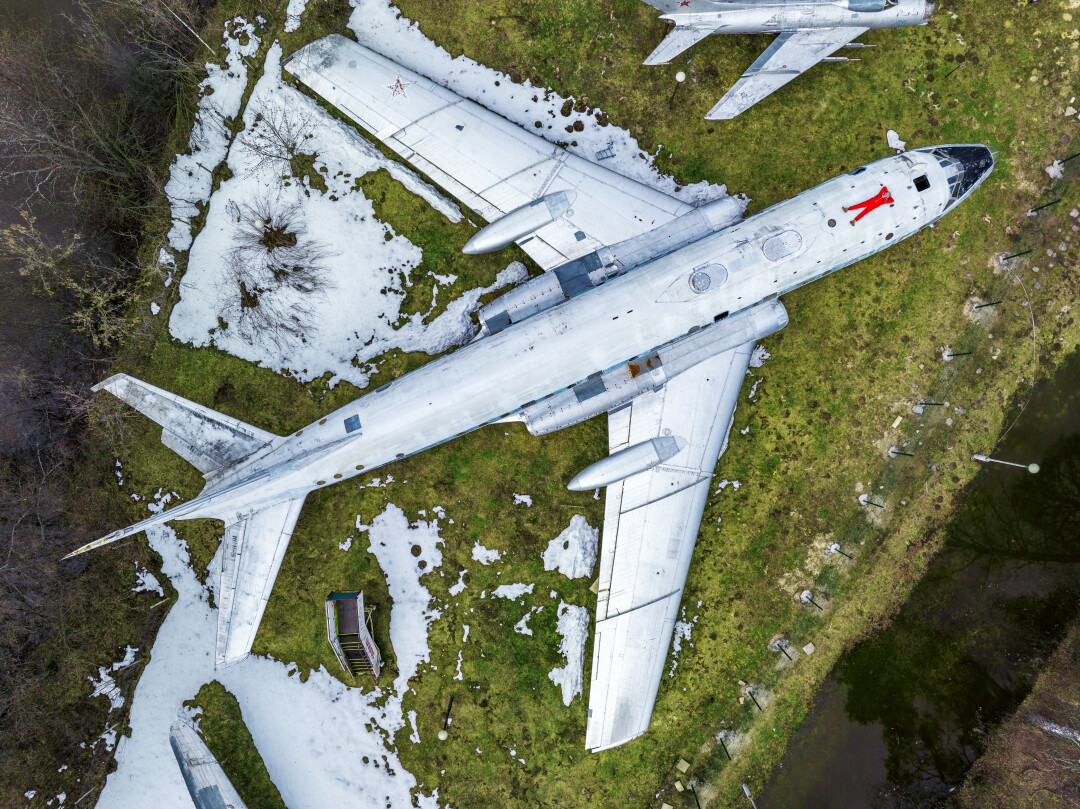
809 31
649 314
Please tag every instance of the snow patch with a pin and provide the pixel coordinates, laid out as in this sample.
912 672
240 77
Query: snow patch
220 95
574 628
105 685
522 626
146 582
893 139
292 14
573 552
457 589
758 356
485 556
512 591
522 498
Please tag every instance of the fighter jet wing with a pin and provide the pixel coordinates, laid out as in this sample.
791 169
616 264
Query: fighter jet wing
250 560
651 522
789 55
491 165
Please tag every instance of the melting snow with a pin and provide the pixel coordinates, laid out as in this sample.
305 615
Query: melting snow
574 628
573 552
682 632
485 556
522 498
321 718
893 139
105 685
146 582
512 591
292 14
457 589
758 356
190 177
522 626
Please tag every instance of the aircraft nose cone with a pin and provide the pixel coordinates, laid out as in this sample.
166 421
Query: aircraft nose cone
975 160
928 12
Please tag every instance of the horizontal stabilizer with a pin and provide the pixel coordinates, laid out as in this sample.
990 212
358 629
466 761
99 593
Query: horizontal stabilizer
250 560
206 439
683 37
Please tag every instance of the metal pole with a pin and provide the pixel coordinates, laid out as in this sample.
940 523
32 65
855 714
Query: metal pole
1047 205
959 354
953 70
1017 255
729 758
680 77
694 793
1033 468
931 404
750 691
446 722
1070 157
984 305
894 452
870 502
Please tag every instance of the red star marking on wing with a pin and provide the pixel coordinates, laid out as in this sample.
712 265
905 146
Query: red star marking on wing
684 3
398 88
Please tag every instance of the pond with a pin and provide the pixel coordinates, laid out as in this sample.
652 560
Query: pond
905 713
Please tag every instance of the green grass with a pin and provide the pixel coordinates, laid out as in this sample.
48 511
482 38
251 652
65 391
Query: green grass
222 727
862 346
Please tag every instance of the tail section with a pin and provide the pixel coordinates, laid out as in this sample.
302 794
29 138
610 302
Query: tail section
208 440
681 38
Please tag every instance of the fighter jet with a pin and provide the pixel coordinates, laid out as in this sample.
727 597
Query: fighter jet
648 313
809 31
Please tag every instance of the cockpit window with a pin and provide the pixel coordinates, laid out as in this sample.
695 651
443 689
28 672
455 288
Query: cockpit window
921 183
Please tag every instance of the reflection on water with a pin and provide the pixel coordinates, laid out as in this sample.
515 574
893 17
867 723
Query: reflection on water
906 712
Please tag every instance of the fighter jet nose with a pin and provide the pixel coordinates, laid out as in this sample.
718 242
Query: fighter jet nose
966 166
928 11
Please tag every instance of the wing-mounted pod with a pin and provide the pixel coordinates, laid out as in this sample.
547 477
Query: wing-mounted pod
615 388
627 462
520 222
582 274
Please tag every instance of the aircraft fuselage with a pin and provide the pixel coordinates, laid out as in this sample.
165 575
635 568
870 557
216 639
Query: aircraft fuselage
768 254
764 18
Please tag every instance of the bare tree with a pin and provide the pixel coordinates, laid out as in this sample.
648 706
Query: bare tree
276 136
275 272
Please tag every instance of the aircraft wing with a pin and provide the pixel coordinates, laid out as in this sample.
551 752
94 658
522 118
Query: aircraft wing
491 165
789 55
250 560
651 522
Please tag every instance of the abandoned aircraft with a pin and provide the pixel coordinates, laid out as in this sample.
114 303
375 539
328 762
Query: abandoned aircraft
808 32
649 313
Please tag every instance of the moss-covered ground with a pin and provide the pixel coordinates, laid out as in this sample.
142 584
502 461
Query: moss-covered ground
862 347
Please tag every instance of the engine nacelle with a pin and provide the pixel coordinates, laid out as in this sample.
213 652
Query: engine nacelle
581 274
520 222
615 388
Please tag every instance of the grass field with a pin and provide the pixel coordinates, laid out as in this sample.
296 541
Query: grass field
861 348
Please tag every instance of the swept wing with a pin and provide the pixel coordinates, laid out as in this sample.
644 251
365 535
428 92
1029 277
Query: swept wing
789 55
491 165
651 522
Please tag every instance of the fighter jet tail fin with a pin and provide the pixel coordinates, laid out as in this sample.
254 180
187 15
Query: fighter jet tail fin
208 440
683 37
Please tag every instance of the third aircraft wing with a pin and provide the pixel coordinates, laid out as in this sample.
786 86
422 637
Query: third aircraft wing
790 54
651 522
492 165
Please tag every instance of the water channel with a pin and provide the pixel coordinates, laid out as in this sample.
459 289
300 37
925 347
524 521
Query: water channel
906 712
